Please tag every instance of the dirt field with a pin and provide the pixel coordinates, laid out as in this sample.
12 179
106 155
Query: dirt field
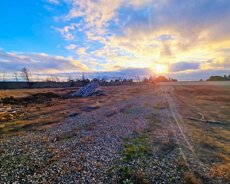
133 134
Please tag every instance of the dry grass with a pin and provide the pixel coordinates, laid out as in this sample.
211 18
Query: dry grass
221 170
211 141
190 178
43 115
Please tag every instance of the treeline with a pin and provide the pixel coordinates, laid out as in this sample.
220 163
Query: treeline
219 78
124 80
26 76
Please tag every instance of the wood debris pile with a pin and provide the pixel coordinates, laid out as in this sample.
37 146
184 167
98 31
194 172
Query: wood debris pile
10 114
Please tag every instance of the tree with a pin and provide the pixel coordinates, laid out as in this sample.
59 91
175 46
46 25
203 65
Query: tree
151 79
25 74
16 76
145 80
138 78
161 79
130 80
96 80
3 76
219 78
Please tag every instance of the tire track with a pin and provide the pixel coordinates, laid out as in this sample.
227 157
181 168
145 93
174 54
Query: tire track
176 124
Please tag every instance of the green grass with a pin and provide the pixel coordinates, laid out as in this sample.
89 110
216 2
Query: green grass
11 162
136 155
136 148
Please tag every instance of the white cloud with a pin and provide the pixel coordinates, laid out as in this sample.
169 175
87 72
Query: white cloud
55 2
67 31
71 47
141 33
38 62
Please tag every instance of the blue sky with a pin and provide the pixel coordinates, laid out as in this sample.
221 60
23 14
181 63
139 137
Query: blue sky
26 26
170 37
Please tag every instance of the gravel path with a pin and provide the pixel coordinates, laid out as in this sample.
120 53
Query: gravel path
80 150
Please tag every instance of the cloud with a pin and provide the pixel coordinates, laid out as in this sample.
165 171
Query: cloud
67 31
55 2
183 66
71 47
198 74
132 73
38 62
217 64
110 35
95 14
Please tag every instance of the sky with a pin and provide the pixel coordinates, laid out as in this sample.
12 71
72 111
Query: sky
184 39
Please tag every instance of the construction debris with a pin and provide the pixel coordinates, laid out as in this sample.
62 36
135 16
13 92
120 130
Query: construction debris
9 114
88 90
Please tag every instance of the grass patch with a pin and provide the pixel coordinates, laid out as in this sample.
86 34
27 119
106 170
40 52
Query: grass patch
136 149
160 105
132 176
12 162
136 155
181 163
190 178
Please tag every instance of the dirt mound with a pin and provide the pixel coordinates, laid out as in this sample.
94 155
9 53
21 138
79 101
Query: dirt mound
34 98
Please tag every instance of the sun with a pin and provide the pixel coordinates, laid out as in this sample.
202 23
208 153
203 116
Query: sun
161 68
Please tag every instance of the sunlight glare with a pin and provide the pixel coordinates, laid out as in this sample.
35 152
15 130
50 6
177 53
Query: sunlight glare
161 68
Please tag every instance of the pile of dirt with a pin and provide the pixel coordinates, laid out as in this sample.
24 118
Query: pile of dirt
34 98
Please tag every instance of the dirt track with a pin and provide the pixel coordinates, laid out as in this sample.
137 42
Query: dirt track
178 125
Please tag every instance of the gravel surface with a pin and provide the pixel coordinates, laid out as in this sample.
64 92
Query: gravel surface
85 147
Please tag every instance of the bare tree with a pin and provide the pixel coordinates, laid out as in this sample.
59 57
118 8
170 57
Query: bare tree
38 77
138 78
3 76
54 78
16 76
25 74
